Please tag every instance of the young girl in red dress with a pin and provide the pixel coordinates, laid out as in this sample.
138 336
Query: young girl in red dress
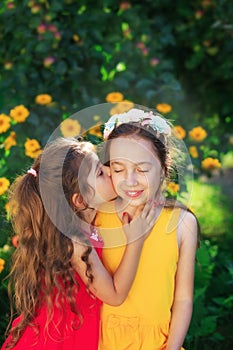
57 280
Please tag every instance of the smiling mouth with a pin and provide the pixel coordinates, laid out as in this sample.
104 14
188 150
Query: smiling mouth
133 194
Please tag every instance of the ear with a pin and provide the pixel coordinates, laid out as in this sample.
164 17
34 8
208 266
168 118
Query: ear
77 200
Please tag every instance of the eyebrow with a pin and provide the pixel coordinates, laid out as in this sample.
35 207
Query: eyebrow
140 163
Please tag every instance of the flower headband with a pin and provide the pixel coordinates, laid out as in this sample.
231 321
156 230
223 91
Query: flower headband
137 116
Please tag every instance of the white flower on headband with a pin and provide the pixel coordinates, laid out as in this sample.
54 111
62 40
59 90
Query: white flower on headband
137 116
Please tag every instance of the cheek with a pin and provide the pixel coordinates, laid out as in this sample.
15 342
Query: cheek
116 178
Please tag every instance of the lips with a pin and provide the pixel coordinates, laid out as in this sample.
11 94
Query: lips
133 194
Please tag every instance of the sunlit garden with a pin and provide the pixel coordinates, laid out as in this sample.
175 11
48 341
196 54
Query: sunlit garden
59 57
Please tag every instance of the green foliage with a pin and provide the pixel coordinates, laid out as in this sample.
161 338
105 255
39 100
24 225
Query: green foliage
213 300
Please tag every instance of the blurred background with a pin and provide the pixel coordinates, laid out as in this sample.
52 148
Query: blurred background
59 57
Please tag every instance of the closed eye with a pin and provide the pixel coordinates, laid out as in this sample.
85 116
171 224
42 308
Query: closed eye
117 170
142 170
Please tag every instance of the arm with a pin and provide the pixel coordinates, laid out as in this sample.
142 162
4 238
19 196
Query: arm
114 289
183 298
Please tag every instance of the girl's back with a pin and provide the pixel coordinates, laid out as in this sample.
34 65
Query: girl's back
67 330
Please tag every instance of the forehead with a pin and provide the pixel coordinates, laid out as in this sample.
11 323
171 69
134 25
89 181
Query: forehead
136 150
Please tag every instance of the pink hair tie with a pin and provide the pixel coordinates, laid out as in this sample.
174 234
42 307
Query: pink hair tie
32 172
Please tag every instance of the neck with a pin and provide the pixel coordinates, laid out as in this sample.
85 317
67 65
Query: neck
133 211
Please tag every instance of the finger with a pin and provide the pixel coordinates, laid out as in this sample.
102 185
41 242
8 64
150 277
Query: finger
138 211
125 218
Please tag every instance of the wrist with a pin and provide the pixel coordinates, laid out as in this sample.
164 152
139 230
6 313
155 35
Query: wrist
136 242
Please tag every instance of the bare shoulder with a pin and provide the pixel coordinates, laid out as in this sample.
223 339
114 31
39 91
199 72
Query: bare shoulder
188 227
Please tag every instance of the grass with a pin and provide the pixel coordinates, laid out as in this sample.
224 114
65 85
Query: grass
214 211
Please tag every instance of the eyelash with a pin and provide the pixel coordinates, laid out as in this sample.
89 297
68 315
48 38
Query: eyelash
140 171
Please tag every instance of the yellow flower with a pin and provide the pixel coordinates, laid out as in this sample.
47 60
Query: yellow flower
43 99
4 185
11 208
70 127
4 123
198 134
76 38
179 132
96 118
163 108
193 151
7 207
95 130
173 187
32 148
210 164
33 154
19 113
122 107
10 140
2 264
114 97
8 65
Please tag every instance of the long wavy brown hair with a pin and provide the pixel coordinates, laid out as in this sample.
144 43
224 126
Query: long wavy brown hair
43 256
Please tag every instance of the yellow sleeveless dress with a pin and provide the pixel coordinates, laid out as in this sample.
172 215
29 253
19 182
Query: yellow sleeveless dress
142 321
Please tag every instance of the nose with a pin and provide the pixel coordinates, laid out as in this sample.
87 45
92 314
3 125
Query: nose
106 170
131 179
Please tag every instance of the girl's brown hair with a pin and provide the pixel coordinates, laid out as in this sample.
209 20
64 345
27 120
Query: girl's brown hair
165 148
41 269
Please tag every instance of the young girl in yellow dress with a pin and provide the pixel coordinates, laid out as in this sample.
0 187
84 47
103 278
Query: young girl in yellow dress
157 311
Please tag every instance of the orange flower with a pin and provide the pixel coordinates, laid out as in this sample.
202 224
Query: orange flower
19 113
122 107
4 185
95 130
76 38
193 151
2 264
173 187
32 148
179 132
114 97
43 99
70 127
10 140
15 241
198 134
210 164
163 108
4 123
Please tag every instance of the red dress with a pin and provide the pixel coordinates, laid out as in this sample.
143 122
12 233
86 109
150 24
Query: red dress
62 333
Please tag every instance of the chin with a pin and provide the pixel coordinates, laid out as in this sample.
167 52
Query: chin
136 203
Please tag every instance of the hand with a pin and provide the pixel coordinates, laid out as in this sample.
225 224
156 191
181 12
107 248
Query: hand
140 227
